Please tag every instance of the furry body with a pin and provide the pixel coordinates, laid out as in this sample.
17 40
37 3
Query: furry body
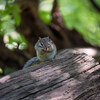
45 50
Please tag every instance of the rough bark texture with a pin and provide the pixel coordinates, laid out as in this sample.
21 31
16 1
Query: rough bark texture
71 76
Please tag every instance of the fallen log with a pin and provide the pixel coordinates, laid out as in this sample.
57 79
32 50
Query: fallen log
72 75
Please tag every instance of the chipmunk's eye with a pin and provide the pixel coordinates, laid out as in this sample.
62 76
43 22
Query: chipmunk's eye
40 44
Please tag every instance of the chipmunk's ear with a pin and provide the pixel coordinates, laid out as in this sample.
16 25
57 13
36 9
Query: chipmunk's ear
48 37
40 38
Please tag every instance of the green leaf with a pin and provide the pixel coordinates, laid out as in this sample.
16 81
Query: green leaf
17 19
81 15
45 16
45 8
8 26
22 46
2 4
15 40
1 71
8 18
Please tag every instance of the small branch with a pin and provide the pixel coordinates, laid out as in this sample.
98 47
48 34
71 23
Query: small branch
95 5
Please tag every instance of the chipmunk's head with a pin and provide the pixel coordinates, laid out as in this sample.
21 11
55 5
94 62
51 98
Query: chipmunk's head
45 48
44 45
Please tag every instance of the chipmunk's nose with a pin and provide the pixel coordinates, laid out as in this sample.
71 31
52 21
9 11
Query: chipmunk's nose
47 48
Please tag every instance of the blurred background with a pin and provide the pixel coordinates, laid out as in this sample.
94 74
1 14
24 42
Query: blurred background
69 23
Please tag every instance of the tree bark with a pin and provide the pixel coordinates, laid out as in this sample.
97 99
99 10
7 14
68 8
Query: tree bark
72 75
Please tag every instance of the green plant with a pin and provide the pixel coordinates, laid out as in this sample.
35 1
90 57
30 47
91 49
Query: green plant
9 17
79 15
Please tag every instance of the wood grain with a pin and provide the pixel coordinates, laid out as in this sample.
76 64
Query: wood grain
72 75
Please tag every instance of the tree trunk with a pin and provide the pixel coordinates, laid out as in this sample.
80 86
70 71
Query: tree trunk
71 76
32 28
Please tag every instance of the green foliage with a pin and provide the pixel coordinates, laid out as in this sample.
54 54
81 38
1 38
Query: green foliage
45 8
9 17
15 40
77 14
81 15
9 70
97 2
1 71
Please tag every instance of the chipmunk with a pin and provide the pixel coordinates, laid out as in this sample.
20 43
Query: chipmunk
45 50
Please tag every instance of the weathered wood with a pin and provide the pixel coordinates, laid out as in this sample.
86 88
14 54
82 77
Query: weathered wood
71 76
